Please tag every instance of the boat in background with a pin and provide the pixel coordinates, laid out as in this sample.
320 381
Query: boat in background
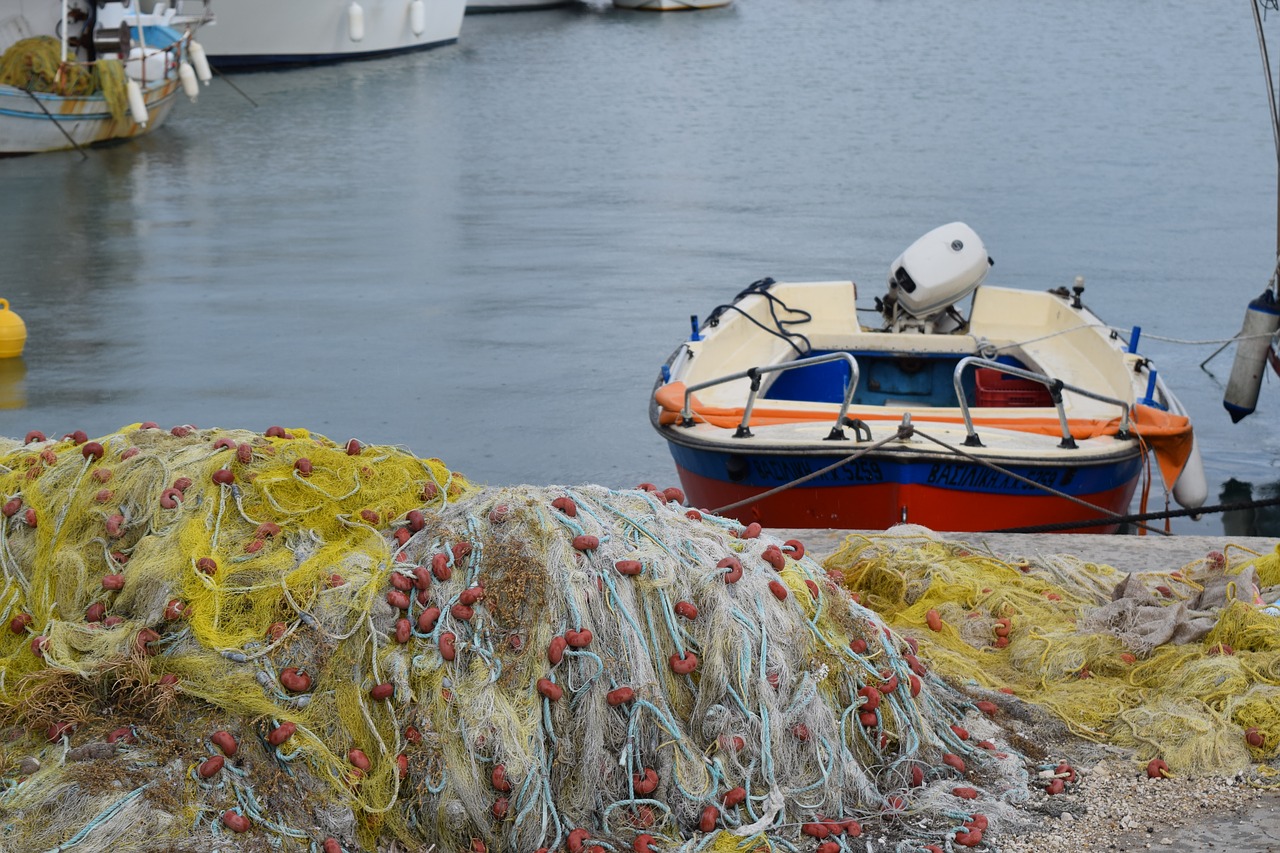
783 409
85 73
275 33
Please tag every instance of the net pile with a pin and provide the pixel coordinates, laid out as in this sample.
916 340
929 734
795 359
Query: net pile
229 640
1181 666
35 64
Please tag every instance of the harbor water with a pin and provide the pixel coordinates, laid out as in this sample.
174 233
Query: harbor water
485 252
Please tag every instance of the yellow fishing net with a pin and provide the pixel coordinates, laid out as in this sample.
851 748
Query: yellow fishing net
1182 665
227 639
35 64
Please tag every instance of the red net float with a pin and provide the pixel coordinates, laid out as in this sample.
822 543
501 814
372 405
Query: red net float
427 619
858 645
683 664
734 569
960 731
56 731
170 498
851 827
498 778
448 649
18 624
977 821
686 610
461 550
1158 769
105 495
112 621
398 599
645 783
471 595
774 557
1055 786
813 587
142 642
566 505
210 767
223 477
500 808
253 546
628 567
303 466
359 760
550 689
586 542
620 696
915 685
383 691
421 578
403 631
644 843
101 475
578 639
673 495
416 520
555 651
224 443
954 761
295 680
267 530
751 531
871 697
828 847
965 793
1253 737
577 839
276 432
986 744
648 487
235 821
78 437
95 612
734 797
794 547
370 516
815 830
731 742
914 663
11 507
869 719
461 612
331 845
244 453
972 838
709 818
412 735
934 620
917 775
124 734
402 582
281 733
276 631
693 515
778 589
801 731
889 682
354 447
499 514
226 742
33 437
988 708
91 450
33 520
440 567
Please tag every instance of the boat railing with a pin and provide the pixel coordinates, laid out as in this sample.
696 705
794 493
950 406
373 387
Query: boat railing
756 373
1055 387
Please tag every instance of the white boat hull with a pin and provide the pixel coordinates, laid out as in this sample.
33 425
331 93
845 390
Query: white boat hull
265 33
482 6
669 5
26 129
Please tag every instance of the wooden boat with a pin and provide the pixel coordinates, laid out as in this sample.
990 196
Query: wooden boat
783 408
151 67
278 33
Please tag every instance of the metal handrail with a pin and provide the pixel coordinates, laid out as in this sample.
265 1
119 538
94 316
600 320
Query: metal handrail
754 374
1055 388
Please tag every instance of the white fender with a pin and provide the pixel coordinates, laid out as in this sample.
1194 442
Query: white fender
137 106
190 85
195 51
418 17
1261 321
1191 489
355 21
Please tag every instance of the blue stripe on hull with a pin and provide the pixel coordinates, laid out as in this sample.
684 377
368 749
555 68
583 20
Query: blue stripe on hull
269 62
767 471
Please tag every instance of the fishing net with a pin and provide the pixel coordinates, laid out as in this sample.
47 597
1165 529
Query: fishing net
1181 665
35 64
230 640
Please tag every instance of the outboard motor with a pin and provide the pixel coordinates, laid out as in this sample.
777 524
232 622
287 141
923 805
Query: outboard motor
932 275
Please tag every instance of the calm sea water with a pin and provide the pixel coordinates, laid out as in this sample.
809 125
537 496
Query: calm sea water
485 252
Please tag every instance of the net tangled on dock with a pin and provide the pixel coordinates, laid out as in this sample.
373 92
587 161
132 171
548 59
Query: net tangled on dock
1181 666
35 64
227 639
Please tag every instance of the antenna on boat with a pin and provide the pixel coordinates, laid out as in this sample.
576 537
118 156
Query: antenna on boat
1258 6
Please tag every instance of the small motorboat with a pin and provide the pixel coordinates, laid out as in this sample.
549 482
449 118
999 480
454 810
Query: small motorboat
784 409
84 73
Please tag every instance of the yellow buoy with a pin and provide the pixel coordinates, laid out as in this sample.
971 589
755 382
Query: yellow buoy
13 332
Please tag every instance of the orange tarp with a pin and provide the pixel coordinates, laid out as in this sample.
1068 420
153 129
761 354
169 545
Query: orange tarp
1168 435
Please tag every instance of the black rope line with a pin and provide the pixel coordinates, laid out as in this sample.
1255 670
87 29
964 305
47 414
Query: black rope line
1142 516
761 288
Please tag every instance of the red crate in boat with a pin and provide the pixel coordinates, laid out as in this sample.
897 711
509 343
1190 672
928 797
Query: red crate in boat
993 388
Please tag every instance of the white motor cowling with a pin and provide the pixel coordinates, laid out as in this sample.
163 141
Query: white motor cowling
938 270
